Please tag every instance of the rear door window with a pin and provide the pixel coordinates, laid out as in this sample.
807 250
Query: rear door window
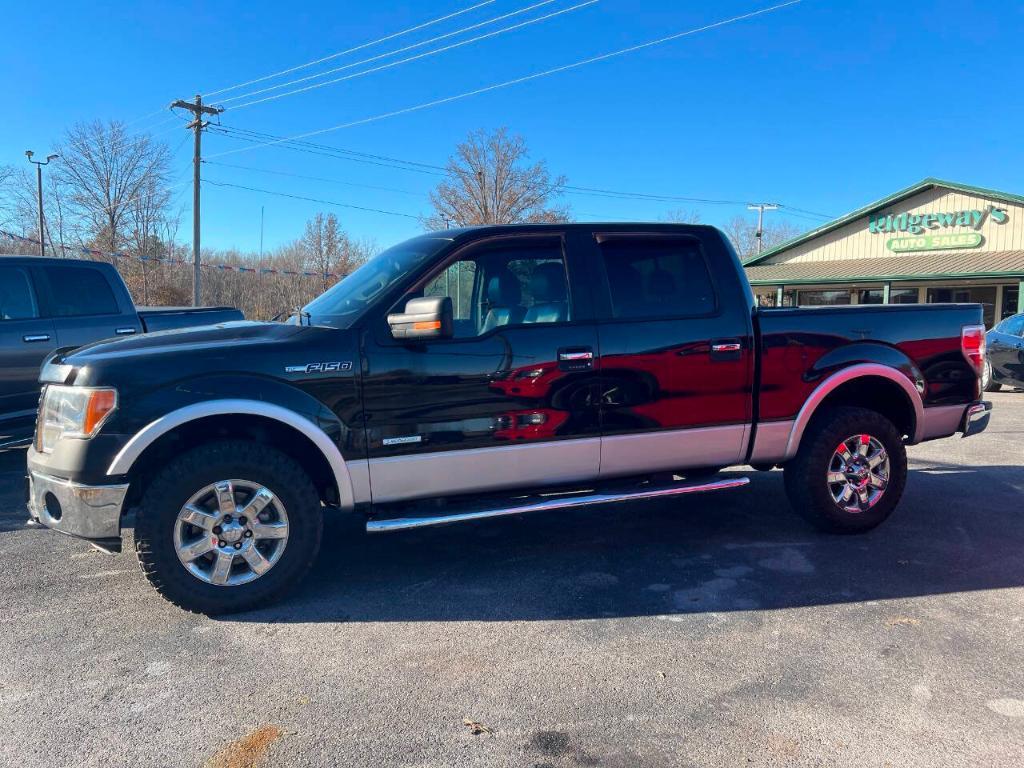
80 291
657 277
17 301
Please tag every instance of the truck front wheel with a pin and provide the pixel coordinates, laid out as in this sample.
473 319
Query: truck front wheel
850 470
228 526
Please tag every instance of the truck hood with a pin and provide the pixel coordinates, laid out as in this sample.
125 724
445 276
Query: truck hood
236 347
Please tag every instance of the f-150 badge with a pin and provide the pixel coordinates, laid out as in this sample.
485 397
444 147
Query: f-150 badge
345 365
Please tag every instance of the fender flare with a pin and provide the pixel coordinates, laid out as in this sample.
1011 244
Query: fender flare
837 379
149 434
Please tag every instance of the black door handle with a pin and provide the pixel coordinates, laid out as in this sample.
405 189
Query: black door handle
575 358
726 349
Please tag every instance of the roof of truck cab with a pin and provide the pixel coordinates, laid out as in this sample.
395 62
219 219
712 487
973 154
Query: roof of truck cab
642 226
45 260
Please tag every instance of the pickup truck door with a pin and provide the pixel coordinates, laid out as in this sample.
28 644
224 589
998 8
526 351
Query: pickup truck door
676 356
25 340
509 400
85 304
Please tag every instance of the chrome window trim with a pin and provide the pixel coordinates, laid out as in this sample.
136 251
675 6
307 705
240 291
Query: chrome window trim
145 437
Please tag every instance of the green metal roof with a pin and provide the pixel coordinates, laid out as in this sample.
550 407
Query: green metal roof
885 202
926 266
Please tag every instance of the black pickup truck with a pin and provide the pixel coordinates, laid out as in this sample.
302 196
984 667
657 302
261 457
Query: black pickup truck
491 371
47 304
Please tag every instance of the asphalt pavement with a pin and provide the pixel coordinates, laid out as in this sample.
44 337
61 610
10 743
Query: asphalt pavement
714 630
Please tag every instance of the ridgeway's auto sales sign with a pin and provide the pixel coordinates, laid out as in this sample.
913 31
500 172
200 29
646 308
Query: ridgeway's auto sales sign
920 228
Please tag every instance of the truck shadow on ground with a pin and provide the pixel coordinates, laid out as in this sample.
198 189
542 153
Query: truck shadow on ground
957 530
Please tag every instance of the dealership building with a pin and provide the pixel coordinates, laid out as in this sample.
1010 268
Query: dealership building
937 241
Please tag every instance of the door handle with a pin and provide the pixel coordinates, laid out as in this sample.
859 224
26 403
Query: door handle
32 337
124 331
726 349
575 358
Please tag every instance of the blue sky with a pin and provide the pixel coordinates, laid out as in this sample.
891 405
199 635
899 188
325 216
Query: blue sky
821 105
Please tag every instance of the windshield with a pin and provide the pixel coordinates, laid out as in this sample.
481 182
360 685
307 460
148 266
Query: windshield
342 304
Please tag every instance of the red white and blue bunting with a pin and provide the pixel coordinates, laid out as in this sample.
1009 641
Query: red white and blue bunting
131 257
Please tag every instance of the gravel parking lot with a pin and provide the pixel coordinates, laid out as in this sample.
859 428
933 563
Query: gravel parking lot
712 631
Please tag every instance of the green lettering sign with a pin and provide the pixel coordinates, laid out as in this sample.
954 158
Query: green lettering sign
918 224
934 242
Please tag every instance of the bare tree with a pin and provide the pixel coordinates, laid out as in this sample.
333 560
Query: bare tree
683 216
105 170
743 234
329 249
323 242
146 215
491 182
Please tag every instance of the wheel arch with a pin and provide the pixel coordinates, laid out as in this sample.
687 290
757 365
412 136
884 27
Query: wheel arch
202 422
869 385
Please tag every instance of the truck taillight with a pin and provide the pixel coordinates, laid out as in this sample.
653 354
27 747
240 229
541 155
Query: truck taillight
972 344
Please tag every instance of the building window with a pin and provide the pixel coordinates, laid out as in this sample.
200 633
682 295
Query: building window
1011 295
820 298
984 295
767 297
896 296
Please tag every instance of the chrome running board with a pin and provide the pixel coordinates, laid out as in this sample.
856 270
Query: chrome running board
561 502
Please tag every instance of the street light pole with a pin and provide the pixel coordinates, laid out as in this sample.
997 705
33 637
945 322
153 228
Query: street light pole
39 191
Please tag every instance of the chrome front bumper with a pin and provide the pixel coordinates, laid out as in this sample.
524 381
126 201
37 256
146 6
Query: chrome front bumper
87 511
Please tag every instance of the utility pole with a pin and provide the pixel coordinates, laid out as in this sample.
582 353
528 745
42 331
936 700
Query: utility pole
39 189
761 208
198 110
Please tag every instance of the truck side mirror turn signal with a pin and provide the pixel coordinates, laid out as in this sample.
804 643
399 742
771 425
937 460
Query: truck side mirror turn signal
429 317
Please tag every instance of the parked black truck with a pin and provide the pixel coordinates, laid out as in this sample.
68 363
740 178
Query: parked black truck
46 304
490 371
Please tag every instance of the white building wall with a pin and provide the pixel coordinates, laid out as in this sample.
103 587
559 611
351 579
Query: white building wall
855 241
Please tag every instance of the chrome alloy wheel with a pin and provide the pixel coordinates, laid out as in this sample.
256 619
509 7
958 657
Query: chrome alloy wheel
231 532
858 473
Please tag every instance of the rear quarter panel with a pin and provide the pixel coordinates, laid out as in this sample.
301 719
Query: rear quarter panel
801 347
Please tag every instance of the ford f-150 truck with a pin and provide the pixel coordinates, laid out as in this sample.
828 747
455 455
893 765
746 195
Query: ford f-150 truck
47 304
489 371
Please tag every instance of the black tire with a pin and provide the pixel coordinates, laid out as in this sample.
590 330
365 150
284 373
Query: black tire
211 463
988 383
806 474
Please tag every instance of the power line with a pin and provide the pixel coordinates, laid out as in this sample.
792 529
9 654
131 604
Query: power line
326 150
518 80
311 199
336 155
350 50
388 53
790 208
423 55
314 178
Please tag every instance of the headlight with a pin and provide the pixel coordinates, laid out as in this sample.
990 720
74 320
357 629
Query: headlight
72 412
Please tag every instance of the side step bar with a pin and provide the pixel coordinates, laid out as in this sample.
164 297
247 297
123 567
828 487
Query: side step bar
563 502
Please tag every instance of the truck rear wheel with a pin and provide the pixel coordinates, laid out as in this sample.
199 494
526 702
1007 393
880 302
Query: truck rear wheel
850 470
228 527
